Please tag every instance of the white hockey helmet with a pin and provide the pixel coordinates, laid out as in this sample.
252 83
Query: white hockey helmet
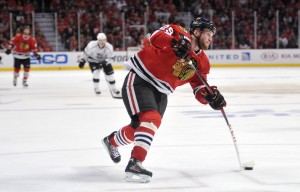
101 36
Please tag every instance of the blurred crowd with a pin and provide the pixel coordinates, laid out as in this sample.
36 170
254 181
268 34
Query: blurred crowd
244 22
110 21
22 15
160 12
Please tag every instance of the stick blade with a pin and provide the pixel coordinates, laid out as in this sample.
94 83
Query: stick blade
115 95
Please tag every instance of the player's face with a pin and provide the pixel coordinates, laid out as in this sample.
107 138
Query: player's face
26 31
206 38
102 43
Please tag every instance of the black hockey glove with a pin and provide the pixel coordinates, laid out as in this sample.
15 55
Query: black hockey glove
38 56
216 101
181 47
8 51
81 63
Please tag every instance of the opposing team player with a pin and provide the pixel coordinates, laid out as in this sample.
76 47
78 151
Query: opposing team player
156 71
99 54
21 45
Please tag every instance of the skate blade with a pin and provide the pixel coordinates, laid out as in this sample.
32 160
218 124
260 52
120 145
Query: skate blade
137 178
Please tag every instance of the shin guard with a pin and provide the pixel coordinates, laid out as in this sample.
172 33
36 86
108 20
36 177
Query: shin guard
143 136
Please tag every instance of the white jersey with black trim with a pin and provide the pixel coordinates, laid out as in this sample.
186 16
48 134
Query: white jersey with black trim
93 53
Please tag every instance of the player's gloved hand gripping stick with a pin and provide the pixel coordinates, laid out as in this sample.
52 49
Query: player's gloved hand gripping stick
181 47
247 166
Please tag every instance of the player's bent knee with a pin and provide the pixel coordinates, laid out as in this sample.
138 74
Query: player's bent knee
150 119
26 69
108 70
135 121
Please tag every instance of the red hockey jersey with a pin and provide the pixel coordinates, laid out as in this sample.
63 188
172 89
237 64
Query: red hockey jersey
161 67
23 46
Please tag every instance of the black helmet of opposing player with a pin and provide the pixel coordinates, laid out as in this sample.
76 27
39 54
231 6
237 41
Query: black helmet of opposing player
202 23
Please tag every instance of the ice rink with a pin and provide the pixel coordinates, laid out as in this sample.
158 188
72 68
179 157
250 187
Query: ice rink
50 135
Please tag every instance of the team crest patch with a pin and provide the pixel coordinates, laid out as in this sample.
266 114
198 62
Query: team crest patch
24 46
182 70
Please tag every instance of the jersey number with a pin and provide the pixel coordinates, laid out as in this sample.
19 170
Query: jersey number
167 29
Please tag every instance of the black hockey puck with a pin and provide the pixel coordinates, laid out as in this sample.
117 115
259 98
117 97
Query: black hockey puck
248 168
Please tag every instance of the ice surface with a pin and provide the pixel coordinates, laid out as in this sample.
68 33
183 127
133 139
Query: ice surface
50 135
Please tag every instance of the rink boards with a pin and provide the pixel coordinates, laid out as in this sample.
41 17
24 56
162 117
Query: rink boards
218 58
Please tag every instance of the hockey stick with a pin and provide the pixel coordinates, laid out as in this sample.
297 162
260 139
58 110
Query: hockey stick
114 95
248 165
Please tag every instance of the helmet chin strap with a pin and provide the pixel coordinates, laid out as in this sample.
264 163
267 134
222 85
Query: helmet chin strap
198 40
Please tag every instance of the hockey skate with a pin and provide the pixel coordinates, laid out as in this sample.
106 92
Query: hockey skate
15 82
112 151
25 83
135 172
97 91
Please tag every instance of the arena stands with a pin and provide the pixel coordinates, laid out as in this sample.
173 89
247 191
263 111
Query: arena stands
160 12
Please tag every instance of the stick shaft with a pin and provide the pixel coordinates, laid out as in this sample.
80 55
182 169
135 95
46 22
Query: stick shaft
233 137
223 113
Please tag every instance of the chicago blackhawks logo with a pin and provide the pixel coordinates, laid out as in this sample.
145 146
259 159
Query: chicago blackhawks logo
183 70
24 46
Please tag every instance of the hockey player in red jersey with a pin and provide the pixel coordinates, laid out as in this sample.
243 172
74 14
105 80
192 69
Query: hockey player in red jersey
145 42
155 72
21 45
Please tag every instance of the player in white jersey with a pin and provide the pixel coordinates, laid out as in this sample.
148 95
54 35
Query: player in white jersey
99 54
